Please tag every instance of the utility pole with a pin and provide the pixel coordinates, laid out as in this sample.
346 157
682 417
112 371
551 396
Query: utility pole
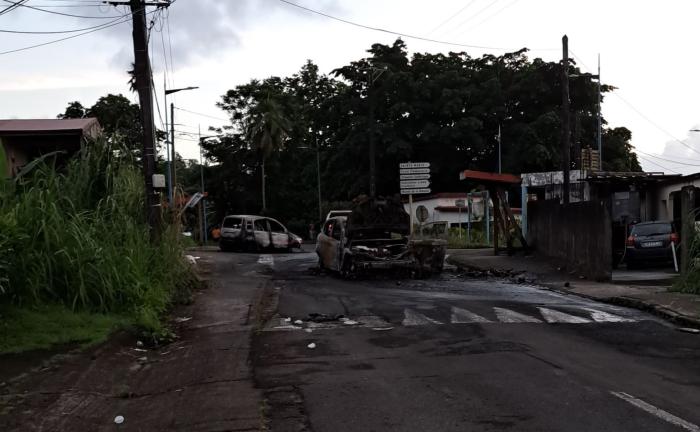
142 76
499 148
600 130
173 182
565 141
318 177
372 150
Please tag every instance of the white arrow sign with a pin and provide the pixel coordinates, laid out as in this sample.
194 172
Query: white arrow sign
414 165
414 176
414 171
415 191
414 184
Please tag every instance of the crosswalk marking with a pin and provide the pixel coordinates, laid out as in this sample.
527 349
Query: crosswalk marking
413 318
600 316
463 316
553 316
509 316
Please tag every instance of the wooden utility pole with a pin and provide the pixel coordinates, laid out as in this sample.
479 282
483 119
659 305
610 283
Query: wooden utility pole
142 77
566 134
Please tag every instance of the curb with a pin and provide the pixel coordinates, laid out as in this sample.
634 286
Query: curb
631 302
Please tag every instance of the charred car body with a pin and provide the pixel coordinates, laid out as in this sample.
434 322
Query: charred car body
376 236
254 233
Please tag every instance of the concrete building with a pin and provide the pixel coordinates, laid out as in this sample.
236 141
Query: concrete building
25 140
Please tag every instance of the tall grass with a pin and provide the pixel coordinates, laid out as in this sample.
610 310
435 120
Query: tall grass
78 236
690 281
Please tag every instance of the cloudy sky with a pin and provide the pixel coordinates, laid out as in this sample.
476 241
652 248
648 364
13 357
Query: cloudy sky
647 50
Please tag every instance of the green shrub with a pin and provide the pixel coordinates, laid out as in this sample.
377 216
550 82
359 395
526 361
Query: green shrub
78 237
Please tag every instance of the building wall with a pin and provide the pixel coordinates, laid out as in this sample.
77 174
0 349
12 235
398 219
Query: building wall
452 217
15 158
663 198
576 235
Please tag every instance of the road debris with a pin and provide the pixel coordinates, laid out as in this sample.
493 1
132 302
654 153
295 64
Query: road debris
350 322
688 330
119 419
182 319
319 318
311 345
287 319
308 330
139 344
298 322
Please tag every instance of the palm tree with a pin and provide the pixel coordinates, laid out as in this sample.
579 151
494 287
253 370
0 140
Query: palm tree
266 128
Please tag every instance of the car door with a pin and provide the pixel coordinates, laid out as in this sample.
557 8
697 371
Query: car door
280 237
327 246
262 233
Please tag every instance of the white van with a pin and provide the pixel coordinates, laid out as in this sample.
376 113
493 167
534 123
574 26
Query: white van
253 233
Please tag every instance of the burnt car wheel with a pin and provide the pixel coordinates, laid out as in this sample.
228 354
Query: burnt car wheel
347 269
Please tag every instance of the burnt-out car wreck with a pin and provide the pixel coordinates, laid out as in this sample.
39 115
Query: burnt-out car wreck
376 236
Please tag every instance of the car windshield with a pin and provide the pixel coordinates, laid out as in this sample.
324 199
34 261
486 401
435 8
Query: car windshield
652 229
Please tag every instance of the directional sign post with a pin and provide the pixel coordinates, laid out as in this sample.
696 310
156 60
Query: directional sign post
414 178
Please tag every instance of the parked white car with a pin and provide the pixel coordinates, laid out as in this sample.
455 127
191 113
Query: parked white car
254 233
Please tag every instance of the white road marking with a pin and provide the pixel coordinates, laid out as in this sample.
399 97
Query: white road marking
413 318
658 412
266 260
509 316
553 316
463 316
600 316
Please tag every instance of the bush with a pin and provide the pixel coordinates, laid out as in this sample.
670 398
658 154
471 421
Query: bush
690 282
79 238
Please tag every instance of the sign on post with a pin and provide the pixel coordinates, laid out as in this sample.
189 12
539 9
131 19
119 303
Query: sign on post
414 178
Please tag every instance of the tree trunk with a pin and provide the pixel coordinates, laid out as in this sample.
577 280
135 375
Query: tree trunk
264 202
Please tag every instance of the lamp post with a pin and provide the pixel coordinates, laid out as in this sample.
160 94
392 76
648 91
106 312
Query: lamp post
318 170
201 179
171 151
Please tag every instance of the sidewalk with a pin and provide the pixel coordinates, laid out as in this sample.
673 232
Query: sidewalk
200 382
683 309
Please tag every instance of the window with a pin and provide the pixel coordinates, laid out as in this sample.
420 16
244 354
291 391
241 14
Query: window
652 229
328 227
232 222
337 231
275 226
260 225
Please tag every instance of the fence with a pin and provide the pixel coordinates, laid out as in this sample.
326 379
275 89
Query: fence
577 235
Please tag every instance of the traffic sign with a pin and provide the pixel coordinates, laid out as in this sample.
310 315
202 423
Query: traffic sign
411 184
414 165
422 213
414 171
414 176
415 191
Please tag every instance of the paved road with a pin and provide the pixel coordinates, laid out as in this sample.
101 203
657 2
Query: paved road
453 354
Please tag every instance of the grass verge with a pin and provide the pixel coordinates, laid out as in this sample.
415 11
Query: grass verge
42 327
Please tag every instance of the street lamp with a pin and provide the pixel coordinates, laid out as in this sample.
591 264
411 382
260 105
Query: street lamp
171 152
318 170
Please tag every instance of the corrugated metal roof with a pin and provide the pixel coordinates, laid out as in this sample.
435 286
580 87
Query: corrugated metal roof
43 126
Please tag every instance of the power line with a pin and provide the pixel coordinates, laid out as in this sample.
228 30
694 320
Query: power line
658 165
401 34
62 13
471 17
14 5
105 26
451 17
492 15
61 31
664 159
203 115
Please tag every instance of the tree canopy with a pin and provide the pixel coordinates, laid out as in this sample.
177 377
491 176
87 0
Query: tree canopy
445 109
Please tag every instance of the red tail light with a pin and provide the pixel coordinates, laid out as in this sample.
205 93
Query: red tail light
630 241
674 238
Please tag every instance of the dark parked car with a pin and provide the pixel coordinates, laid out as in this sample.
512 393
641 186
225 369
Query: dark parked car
650 241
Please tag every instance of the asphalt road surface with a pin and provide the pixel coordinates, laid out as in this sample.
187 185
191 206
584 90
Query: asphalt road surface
458 354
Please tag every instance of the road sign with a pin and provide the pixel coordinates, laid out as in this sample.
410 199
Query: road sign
422 213
194 200
414 176
414 165
412 184
415 191
414 171
460 203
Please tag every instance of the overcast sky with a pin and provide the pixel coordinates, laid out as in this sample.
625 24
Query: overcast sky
647 49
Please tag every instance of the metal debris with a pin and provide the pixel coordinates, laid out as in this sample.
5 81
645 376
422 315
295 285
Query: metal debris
311 345
688 330
119 419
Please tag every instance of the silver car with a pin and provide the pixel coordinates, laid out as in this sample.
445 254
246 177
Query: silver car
253 233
